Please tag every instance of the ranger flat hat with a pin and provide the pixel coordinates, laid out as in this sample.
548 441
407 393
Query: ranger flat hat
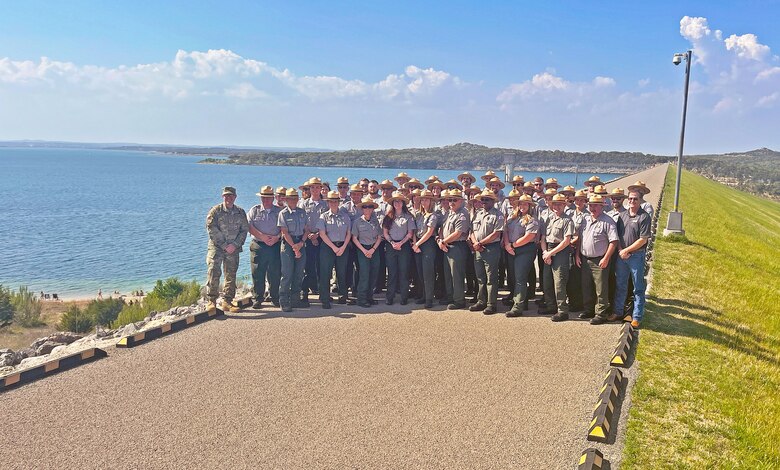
568 190
472 190
314 180
280 191
356 188
550 192
552 183
593 181
490 174
342 180
414 183
617 193
436 183
639 186
229 190
432 179
466 176
494 180
387 184
454 193
518 179
488 194
367 201
399 196
291 193
266 191
416 192
514 193
528 184
333 196
597 199
600 189
428 194
402 178
581 194
526 199
304 185
452 184
558 198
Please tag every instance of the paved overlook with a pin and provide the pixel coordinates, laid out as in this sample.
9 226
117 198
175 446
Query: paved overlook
389 387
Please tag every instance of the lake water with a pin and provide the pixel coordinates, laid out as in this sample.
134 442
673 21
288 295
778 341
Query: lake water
75 221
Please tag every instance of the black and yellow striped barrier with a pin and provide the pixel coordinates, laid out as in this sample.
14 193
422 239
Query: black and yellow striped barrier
623 348
591 459
51 367
167 328
600 425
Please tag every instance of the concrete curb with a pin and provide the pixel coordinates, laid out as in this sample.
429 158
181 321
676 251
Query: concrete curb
51 367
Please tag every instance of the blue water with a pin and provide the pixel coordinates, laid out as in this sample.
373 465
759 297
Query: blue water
75 221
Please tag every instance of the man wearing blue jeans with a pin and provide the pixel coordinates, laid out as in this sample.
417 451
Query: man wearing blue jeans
633 232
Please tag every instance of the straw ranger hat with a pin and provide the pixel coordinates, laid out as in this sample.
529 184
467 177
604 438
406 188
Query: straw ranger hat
265 191
514 193
466 176
428 194
455 193
488 194
280 191
552 183
452 184
526 199
593 181
402 178
597 199
568 191
472 190
494 180
558 198
550 192
617 193
435 183
399 196
387 184
581 194
414 183
291 193
489 175
518 179
342 180
314 180
432 179
639 186
333 196
600 189
356 188
367 201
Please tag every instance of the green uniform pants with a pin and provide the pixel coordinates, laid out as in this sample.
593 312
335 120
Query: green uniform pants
556 276
369 270
266 264
398 271
595 287
426 267
329 260
455 272
292 274
522 264
486 266
215 259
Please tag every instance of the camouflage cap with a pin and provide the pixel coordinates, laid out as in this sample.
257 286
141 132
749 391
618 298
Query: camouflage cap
228 190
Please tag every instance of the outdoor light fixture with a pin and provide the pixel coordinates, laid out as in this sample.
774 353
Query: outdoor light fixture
675 223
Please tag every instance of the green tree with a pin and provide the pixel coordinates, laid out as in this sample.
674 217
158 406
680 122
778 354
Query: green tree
104 311
27 308
76 320
6 307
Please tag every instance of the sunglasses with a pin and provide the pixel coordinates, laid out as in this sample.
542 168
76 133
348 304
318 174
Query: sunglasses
537 184
451 199
633 198
366 207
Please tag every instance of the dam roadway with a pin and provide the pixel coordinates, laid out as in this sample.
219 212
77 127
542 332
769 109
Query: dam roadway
384 387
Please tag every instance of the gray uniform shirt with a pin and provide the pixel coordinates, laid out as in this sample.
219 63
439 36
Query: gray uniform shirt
486 222
557 228
381 210
264 220
313 211
294 220
456 221
516 229
366 231
402 224
596 235
335 225
423 221
615 214
631 229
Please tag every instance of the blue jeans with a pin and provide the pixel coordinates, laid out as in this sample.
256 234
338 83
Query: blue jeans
635 267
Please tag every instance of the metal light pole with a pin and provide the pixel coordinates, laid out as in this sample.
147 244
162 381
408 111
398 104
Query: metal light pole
675 222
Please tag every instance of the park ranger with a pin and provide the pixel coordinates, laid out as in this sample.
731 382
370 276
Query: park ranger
486 230
452 241
520 235
342 186
334 228
314 207
280 194
559 230
398 229
367 236
227 228
598 241
292 223
264 250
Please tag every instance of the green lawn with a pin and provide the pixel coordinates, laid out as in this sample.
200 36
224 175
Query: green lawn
708 392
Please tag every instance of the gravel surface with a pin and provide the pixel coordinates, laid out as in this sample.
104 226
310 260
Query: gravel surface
348 387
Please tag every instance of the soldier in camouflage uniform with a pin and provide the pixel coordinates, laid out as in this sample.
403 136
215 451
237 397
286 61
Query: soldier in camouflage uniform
227 227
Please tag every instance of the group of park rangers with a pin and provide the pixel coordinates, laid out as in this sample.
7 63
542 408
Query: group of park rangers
439 241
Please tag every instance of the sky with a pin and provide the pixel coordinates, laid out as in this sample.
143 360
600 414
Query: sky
577 76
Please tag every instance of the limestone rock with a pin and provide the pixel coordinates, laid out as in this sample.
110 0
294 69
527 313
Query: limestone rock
47 347
62 337
5 370
8 358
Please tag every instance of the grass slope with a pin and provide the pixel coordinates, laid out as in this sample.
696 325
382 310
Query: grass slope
708 393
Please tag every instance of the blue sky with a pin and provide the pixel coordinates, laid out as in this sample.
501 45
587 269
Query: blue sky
569 75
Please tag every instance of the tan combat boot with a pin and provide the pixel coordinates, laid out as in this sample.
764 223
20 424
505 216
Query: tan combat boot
211 306
229 307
